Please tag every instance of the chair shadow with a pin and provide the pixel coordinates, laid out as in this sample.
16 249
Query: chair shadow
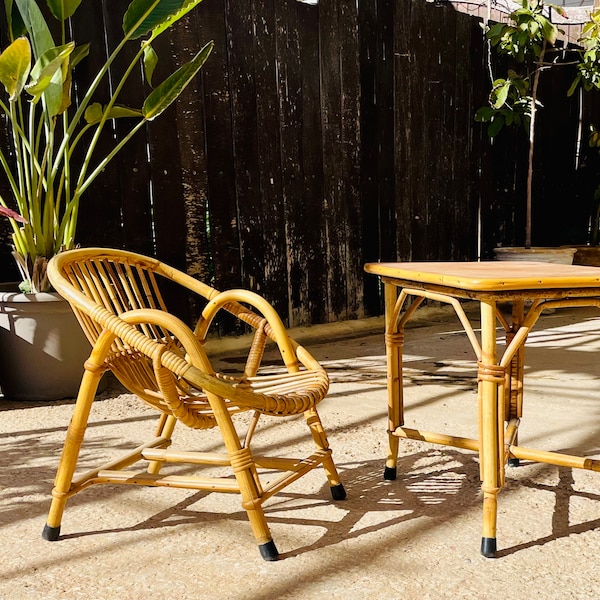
441 485
428 482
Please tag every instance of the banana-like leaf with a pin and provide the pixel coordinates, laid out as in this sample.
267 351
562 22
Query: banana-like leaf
15 64
168 91
40 36
50 69
186 8
79 54
143 16
67 81
94 113
63 9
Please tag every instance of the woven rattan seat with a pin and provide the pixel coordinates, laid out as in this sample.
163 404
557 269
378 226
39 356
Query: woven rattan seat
118 300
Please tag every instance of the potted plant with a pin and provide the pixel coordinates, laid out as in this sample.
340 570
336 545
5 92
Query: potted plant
47 127
530 38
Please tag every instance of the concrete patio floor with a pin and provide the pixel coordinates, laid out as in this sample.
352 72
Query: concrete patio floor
414 538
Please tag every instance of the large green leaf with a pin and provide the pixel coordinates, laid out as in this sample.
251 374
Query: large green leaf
168 91
143 16
15 63
47 76
186 8
495 126
94 113
79 54
63 9
40 36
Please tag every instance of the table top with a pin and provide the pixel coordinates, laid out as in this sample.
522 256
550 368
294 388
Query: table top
490 276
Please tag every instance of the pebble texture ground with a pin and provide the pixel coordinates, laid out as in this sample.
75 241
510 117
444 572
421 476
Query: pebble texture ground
414 538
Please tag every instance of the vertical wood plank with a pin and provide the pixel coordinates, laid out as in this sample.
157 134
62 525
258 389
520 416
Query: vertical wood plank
332 174
289 75
370 126
339 55
384 127
219 81
354 257
245 138
192 137
314 222
133 168
270 274
404 58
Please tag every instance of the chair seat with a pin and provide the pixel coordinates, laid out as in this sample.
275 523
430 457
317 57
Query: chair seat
284 393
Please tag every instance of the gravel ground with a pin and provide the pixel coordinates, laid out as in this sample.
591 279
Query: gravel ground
414 538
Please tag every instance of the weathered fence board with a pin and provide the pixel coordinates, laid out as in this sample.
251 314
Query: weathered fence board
319 137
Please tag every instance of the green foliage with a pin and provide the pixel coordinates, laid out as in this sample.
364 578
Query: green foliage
527 32
528 38
46 128
509 105
588 70
525 38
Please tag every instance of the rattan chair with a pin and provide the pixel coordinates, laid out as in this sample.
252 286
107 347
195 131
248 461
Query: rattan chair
116 296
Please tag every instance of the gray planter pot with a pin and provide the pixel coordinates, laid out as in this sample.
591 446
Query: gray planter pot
587 255
42 346
562 256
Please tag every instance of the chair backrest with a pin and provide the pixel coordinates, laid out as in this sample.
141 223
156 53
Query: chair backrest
117 280
120 291
117 294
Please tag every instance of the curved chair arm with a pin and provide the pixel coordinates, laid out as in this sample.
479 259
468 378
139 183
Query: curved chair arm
171 323
230 300
197 371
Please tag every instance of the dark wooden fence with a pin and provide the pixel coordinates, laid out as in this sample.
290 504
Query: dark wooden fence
320 137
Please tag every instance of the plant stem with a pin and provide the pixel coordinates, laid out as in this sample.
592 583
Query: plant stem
536 79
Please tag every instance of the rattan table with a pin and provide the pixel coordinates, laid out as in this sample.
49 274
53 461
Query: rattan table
529 287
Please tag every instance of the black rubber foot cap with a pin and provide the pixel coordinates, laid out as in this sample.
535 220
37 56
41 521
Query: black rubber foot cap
488 547
51 533
389 473
513 462
268 551
338 492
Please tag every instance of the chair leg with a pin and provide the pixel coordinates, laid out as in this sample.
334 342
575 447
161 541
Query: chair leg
320 438
70 453
244 469
246 475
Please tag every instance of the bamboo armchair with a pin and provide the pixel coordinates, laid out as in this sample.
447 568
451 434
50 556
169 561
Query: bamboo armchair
117 300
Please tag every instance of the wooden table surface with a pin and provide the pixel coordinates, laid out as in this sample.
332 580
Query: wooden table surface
488 276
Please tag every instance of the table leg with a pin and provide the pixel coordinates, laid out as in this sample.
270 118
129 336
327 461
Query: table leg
490 376
393 343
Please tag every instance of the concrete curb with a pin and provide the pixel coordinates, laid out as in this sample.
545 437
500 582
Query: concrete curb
340 330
